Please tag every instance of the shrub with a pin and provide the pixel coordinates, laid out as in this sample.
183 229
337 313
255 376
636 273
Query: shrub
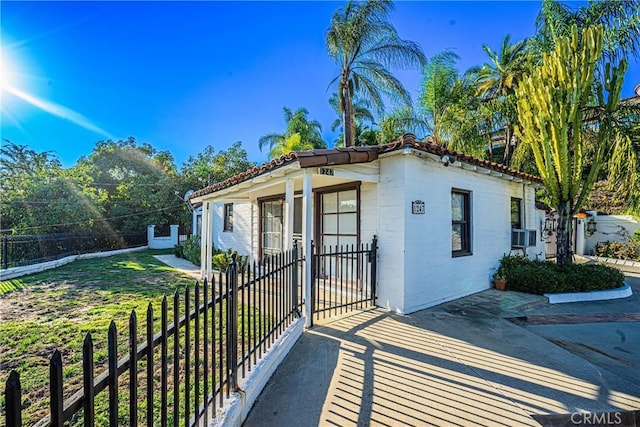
177 250
540 277
636 236
191 249
222 259
619 250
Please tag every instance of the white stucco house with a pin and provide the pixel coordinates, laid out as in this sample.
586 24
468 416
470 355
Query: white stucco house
442 219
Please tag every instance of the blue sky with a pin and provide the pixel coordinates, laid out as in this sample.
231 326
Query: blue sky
183 75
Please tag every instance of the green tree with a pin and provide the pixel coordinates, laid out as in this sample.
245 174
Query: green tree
551 105
309 131
209 167
39 196
137 184
365 45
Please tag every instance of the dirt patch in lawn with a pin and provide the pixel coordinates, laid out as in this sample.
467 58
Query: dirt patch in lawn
56 309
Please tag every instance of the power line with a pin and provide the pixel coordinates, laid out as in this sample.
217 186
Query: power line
94 219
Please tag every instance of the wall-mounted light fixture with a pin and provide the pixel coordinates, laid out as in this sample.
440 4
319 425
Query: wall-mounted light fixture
447 159
591 227
550 225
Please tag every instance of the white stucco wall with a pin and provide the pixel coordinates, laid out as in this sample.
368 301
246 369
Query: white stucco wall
368 212
612 228
415 250
391 230
238 239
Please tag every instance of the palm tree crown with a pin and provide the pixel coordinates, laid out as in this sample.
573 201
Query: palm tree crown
364 44
309 131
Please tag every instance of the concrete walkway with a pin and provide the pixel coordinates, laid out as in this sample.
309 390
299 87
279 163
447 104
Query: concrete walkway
180 264
461 363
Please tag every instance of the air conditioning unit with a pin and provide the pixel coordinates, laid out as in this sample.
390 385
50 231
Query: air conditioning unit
523 238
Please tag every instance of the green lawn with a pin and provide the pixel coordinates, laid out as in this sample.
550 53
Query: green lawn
56 308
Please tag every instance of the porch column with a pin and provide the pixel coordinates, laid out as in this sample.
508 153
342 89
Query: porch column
209 254
288 215
307 235
204 239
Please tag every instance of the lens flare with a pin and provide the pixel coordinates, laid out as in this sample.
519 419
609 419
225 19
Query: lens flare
58 111
11 85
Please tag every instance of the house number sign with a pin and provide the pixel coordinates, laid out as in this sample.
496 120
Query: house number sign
417 207
325 171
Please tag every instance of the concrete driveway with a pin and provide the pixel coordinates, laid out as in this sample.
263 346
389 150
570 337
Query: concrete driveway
461 363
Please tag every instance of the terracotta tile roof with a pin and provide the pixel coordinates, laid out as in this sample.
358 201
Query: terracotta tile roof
352 155
409 140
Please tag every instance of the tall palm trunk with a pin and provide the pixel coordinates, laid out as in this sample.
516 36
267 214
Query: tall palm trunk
347 115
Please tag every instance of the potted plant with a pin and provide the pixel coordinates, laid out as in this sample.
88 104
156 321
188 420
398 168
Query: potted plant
499 281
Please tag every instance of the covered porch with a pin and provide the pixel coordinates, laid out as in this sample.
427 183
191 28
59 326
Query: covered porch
311 201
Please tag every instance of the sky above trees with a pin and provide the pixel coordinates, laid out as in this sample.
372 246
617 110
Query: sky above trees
182 76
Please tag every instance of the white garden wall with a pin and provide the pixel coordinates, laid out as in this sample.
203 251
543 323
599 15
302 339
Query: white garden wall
612 228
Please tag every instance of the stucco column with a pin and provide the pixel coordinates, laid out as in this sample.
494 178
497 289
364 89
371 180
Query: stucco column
205 238
151 234
174 234
288 215
307 235
209 254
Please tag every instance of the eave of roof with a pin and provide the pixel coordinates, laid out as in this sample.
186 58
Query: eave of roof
352 155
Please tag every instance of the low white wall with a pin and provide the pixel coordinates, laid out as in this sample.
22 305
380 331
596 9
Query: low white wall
237 408
612 228
14 272
164 242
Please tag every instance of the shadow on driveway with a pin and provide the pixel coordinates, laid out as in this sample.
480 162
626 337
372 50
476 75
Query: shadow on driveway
434 367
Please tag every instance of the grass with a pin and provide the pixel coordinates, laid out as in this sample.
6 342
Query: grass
55 309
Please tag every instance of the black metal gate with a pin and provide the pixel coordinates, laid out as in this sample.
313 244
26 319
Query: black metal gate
343 278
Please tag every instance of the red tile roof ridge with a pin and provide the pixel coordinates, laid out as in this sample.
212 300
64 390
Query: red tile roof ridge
335 156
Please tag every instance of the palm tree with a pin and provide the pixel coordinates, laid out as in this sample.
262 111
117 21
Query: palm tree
495 82
362 114
309 131
289 144
364 44
619 18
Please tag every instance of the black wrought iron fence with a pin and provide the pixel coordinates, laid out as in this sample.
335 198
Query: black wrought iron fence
19 250
344 278
202 352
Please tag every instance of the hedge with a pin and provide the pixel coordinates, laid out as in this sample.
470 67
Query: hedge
541 277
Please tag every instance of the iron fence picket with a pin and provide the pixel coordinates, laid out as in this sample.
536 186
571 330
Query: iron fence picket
150 363
163 363
113 374
176 359
205 351
87 381
133 368
196 373
13 400
55 389
187 354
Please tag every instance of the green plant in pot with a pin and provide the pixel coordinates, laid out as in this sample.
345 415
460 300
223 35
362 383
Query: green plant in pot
499 281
